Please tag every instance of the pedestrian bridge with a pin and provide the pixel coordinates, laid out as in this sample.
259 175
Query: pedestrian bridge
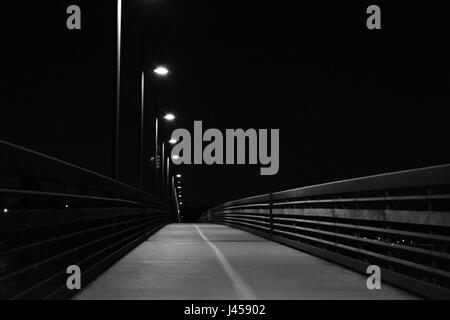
208 261
313 242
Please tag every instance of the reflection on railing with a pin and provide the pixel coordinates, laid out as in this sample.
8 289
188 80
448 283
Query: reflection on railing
398 221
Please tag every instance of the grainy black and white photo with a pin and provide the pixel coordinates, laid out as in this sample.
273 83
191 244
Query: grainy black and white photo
197 153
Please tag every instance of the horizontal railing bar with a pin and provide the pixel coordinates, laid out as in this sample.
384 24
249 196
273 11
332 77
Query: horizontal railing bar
354 238
18 296
31 153
246 215
371 241
70 235
368 199
256 205
407 179
375 229
362 214
17 272
373 254
376 242
243 219
71 197
248 224
91 268
341 200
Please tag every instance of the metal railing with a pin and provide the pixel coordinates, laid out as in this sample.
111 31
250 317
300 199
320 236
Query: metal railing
399 221
55 215
29 179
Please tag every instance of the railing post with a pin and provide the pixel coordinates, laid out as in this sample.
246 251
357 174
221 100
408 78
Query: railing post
271 214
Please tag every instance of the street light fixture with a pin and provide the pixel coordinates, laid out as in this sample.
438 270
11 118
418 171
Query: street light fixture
161 71
169 117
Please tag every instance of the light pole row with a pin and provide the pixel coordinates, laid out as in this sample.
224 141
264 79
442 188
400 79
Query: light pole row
160 71
161 161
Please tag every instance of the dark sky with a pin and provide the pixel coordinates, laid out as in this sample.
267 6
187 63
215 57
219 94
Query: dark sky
348 101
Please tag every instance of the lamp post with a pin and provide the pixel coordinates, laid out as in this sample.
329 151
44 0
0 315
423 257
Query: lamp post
167 117
167 185
177 208
141 147
116 117
163 165
167 159
160 71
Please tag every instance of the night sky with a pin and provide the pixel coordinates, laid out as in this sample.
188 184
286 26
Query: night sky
348 101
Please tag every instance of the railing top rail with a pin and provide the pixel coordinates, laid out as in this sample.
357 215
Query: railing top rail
422 177
20 161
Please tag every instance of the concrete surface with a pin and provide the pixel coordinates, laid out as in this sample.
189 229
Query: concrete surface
206 261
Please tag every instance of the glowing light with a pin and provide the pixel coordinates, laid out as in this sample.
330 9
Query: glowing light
175 157
161 71
172 141
169 117
178 175
5 210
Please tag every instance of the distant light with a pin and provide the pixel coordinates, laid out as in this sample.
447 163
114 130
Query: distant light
169 117
67 205
181 202
178 175
173 141
161 71
175 157
5 210
179 187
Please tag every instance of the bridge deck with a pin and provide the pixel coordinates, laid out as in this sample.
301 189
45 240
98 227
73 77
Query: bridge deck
205 261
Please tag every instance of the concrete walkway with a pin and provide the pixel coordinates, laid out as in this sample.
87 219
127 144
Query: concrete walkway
205 261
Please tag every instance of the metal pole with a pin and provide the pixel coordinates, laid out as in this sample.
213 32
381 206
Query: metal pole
168 177
162 167
141 152
271 213
177 207
115 144
155 180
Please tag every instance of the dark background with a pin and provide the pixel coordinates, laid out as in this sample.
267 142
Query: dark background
348 101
